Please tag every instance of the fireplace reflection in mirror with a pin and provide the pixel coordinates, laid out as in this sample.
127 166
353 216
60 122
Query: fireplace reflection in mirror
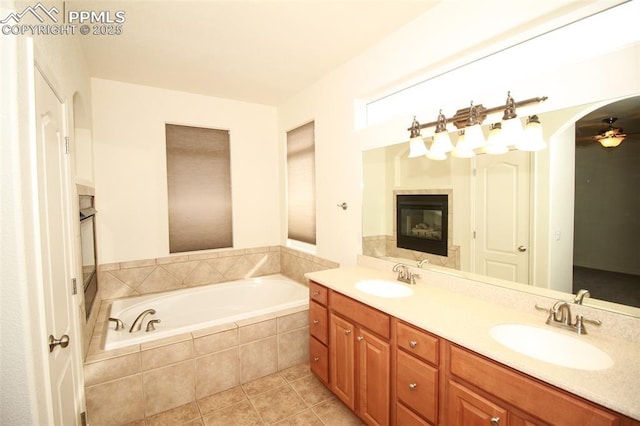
422 222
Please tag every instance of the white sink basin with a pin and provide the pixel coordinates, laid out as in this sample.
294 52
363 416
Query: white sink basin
549 346
383 288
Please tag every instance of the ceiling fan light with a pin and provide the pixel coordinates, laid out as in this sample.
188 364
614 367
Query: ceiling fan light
532 139
611 141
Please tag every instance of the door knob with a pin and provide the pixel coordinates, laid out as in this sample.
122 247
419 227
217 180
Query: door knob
63 342
495 421
522 249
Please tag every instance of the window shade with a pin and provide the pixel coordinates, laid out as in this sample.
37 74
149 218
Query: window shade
199 188
301 191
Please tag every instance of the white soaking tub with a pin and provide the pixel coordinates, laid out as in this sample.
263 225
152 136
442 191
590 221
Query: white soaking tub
186 310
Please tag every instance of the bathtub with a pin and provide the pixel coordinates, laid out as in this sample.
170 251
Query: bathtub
186 310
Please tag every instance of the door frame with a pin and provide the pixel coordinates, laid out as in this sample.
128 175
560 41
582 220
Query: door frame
40 329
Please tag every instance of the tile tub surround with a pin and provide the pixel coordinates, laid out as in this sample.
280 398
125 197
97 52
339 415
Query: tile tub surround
129 384
145 276
138 277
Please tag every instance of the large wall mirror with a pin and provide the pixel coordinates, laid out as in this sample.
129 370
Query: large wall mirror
576 202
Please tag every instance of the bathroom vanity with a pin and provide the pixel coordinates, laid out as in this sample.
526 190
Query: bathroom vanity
420 354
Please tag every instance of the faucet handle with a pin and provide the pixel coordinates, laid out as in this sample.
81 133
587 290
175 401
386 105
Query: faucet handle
119 323
151 324
580 320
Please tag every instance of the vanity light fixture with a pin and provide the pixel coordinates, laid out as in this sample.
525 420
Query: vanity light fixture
611 136
470 119
496 142
511 125
441 140
532 139
417 148
463 148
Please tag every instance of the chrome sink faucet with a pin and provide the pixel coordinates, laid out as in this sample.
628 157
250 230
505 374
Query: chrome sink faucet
580 295
404 274
137 324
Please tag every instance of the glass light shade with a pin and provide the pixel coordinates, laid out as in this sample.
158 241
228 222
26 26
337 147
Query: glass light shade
417 148
474 136
432 155
532 137
441 142
463 149
611 141
512 131
496 142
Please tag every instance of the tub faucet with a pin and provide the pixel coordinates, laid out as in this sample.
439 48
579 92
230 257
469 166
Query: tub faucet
137 324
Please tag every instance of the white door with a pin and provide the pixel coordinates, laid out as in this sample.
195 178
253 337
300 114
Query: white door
502 216
56 231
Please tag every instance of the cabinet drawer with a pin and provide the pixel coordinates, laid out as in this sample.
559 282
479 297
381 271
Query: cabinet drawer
528 394
318 322
417 385
417 342
374 320
319 360
406 417
318 293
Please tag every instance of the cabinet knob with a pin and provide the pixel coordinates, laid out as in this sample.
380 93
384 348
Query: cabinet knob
495 421
360 338
315 321
413 343
315 294
347 331
413 386
316 358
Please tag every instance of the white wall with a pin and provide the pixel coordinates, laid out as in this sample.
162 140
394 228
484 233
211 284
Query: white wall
415 53
130 166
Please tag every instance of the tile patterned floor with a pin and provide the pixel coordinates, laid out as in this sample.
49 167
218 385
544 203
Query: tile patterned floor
288 398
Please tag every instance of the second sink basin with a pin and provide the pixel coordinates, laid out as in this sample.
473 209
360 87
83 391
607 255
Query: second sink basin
384 288
550 346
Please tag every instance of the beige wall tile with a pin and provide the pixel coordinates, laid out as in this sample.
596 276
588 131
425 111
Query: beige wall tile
293 321
180 270
293 348
216 342
166 341
168 387
113 288
116 402
257 331
166 355
159 280
172 259
217 372
133 277
203 274
258 359
137 263
110 369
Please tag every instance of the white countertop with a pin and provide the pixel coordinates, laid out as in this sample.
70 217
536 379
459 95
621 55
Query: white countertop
466 321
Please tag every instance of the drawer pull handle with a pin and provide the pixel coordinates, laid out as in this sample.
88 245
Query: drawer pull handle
315 294
413 386
347 331
360 338
413 343
316 358
495 421
315 321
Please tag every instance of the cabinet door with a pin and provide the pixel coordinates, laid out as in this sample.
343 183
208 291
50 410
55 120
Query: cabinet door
466 408
319 360
341 348
417 385
373 357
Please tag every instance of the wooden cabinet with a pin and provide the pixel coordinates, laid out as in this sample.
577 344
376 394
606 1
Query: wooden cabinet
360 358
481 390
319 330
416 375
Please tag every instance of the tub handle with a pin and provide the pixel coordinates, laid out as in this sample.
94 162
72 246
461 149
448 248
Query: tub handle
119 323
151 324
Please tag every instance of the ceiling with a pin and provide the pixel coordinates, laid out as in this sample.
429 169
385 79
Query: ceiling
256 51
